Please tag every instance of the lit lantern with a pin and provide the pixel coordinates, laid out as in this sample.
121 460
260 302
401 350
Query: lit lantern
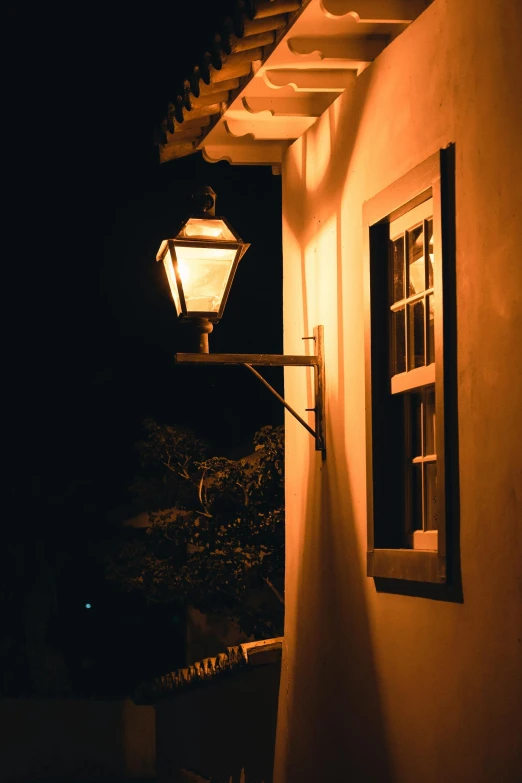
200 263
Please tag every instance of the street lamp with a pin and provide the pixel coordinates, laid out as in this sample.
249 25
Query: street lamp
200 262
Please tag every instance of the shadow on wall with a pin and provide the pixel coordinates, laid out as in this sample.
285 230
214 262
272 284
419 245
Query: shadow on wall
332 725
73 740
221 731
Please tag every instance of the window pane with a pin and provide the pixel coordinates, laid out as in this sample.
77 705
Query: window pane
431 329
397 258
429 231
416 425
430 489
398 342
416 496
429 422
416 274
416 334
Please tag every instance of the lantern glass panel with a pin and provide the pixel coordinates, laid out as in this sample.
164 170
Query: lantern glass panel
171 277
204 274
207 228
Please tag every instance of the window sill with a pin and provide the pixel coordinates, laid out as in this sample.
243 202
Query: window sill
410 564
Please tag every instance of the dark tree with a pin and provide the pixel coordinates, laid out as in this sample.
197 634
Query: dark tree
215 538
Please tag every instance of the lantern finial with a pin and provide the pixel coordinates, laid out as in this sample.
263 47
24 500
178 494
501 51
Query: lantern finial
204 200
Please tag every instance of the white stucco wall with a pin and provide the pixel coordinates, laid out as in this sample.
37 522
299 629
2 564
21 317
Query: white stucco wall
376 686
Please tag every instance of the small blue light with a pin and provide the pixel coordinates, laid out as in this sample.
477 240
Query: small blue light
87 606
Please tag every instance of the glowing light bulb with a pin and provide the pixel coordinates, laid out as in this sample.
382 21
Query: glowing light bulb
203 229
184 271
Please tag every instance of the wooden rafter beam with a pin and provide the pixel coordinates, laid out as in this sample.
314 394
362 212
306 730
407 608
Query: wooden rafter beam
173 151
252 41
214 87
190 125
390 11
264 153
265 8
209 99
303 105
304 80
347 47
272 23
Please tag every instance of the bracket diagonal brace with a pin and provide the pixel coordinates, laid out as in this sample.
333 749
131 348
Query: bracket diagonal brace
281 400
278 360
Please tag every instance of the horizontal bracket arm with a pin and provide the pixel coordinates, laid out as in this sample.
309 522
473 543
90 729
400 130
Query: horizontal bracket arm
262 359
278 360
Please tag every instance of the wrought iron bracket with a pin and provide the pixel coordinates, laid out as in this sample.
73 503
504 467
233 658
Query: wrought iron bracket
279 360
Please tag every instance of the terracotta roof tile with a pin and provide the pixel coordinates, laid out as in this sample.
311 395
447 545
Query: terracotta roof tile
253 653
242 39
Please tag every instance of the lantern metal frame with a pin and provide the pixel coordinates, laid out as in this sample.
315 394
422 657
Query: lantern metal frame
170 244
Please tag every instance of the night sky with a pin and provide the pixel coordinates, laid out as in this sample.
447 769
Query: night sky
93 329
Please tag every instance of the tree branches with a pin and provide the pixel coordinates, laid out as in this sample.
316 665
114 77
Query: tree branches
219 545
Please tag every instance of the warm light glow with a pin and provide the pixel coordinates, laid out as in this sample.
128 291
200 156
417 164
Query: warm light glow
184 272
204 273
207 228
319 143
204 231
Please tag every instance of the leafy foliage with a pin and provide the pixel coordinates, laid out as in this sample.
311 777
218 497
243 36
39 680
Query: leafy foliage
215 538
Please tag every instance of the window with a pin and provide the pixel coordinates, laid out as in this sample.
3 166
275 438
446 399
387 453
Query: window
408 257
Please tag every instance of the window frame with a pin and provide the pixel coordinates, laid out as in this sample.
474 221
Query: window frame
432 178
